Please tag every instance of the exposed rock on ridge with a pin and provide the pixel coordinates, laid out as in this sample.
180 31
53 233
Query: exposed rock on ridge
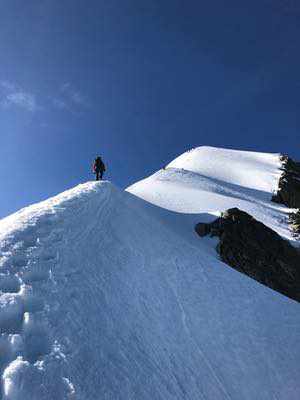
289 184
252 248
294 220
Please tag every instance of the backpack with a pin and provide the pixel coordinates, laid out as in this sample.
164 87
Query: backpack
99 165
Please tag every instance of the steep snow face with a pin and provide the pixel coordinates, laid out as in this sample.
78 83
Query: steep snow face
211 180
104 297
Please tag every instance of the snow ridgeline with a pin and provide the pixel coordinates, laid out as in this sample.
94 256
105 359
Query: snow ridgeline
211 180
29 242
105 296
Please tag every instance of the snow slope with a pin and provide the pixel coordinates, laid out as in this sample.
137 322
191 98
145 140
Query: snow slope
104 296
244 168
210 180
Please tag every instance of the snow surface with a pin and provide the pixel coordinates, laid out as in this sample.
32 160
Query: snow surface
244 168
210 180
105 296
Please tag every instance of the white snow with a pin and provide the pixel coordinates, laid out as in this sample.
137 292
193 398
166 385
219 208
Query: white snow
244 168
210 180
105 296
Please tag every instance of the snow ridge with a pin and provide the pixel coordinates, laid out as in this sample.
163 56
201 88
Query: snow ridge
30 241
104 295
253 170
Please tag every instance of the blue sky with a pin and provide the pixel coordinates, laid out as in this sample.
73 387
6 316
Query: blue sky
139 82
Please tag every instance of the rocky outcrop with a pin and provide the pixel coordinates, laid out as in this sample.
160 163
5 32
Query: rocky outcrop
289 184
289 191
252 248
294 220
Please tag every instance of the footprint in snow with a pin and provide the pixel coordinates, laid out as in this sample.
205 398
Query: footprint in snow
35 337
14 262
36 273
9 283
11 313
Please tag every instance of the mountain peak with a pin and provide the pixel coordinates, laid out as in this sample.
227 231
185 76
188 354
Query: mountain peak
105 295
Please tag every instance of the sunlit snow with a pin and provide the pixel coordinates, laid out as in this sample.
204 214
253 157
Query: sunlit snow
107 296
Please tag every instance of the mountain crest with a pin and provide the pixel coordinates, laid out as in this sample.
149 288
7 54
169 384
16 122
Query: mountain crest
111 294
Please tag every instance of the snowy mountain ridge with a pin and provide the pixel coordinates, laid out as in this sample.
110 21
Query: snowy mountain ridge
107 296
245 168
210 180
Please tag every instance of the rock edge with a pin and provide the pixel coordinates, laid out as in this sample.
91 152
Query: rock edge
252 248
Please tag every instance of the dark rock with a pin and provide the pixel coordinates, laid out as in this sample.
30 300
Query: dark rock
252 248
202 229
289 184
294 219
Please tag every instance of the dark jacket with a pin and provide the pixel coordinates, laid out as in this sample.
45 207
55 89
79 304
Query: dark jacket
99 165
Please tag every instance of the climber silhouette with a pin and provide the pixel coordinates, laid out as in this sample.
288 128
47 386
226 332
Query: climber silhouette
98 168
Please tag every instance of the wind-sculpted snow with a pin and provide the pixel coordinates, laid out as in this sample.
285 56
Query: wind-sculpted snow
211 180
105 297
249 169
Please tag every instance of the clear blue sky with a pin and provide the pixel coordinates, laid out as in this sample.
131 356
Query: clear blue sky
139 82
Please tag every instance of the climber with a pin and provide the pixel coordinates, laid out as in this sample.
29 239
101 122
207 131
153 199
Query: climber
98 168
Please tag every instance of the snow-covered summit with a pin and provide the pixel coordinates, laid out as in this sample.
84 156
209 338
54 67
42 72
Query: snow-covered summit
233 168
104 296
211 180
249 169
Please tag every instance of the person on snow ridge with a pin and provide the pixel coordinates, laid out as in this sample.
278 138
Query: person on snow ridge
98 168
